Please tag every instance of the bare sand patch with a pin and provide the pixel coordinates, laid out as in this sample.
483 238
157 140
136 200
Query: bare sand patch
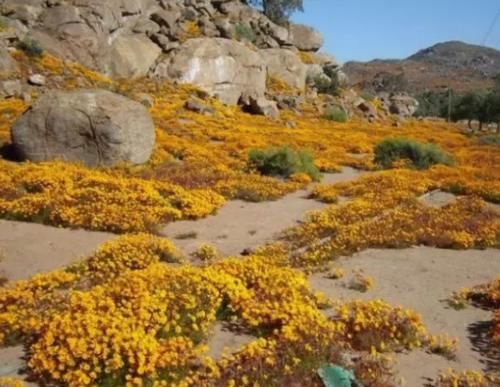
226 340
242 225
421 278
30 248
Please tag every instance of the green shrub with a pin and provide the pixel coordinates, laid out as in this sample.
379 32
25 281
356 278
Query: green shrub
420 155
244 32
283 162
3 24
490 139
367 95
325 85
335 113
30 47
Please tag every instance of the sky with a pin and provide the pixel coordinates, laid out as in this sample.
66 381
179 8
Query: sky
369 29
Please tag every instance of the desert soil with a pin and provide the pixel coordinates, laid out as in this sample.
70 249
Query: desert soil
422 278
419 278
242 225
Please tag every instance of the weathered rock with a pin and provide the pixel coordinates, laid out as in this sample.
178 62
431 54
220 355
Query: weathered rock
286 66
95 127
132 56
37 80
262 106
305 38
224 68
198 107
11 88
326 60
26 11
7 63
402 105
314 71
366 107
290 102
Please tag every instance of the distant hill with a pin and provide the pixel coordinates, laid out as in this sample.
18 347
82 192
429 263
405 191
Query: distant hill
461 66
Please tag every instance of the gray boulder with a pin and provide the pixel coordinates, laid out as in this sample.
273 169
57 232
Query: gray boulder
95 127
224 68
286 66
132 56
262 106
305 38
402 105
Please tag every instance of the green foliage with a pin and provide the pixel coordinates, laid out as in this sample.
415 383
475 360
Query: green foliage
483 106
367 95
421 156
433 104
335 113
279 11
244 32
30 47
490 139
3 24
283 162
325 85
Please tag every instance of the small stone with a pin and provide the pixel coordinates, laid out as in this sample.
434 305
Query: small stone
11 88
37 80
198 107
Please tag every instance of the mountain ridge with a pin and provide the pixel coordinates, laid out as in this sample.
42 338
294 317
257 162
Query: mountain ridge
453 64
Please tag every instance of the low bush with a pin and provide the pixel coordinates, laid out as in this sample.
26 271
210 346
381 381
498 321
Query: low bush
490 139
3 24
244 32
30 47
335 113
283 162
421 156
325 85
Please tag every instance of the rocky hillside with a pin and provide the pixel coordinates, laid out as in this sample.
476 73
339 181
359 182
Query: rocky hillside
225 47
461 66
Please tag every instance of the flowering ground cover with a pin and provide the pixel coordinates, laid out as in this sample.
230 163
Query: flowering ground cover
136 312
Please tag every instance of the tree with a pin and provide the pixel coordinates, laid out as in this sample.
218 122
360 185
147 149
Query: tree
481 106
494 102
467 107
278 11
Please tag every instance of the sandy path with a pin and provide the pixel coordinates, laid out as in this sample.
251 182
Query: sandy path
419 278
28 248
242 225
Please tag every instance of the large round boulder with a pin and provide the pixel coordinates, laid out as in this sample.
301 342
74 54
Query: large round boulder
224 68
305 38
94 127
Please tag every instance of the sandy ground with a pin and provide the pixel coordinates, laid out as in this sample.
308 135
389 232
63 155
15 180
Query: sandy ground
28 248
241 225
420 278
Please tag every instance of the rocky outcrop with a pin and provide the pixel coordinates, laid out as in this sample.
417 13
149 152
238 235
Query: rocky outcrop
305 38
286 66
400 104
95 127
225 47
100 34
223 68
